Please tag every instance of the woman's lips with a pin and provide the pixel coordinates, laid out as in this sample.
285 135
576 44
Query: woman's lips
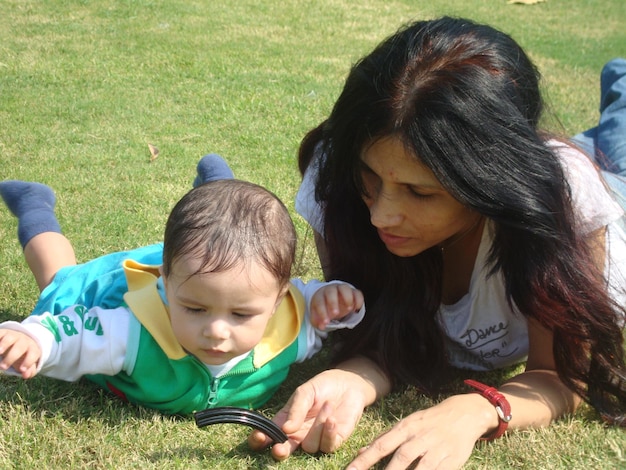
392 240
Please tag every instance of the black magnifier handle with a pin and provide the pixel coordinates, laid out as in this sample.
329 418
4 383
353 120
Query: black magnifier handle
231 414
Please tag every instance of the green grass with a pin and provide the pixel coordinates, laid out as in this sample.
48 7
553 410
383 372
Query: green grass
85 86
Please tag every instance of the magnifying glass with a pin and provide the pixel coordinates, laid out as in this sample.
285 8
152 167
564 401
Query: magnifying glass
231 414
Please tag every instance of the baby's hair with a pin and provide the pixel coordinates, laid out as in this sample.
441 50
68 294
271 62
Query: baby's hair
228 222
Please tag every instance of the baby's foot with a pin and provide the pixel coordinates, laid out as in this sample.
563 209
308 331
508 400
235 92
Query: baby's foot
210 168
23 196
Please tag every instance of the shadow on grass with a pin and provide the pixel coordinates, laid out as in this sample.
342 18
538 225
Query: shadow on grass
9 315
46 399
71 401
239 454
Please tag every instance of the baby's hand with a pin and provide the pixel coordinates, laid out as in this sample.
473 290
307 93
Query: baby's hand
333 302
20 351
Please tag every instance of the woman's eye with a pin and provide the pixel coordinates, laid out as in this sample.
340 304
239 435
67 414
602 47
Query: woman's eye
417 194
368 182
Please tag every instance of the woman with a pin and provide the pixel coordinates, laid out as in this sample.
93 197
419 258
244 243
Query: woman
478 240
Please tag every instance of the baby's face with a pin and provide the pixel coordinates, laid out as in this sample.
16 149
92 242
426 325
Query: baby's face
219 316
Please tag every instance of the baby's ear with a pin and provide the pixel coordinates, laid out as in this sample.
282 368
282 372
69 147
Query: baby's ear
161 273
281 296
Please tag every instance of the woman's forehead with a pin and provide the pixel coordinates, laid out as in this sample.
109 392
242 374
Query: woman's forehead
390 158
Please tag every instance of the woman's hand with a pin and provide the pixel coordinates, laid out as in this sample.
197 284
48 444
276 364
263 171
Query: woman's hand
320 415
443 436
323 412
440 437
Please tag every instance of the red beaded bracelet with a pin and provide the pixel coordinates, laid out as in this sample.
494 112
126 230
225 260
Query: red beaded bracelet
503 408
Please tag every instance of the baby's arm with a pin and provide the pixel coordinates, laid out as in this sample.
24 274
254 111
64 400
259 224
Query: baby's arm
329 306
74 343
333 302
19 351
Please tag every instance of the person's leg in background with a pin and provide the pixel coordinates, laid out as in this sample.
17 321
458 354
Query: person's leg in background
607 141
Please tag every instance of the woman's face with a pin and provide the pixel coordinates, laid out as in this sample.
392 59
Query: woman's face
407 204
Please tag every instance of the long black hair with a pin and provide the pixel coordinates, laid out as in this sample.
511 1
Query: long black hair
465 99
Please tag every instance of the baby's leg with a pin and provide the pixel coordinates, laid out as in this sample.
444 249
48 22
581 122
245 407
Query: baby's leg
210 168
46 253
46 250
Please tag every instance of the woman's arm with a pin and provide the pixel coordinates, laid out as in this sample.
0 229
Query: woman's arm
538 396
444 435
323 412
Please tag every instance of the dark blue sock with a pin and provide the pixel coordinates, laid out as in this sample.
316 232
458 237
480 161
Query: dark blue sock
210 168
33 205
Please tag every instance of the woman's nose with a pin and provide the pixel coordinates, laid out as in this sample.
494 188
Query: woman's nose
384 211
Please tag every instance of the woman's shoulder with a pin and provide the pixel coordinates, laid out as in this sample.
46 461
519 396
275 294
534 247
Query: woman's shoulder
593 202
306 204
571 156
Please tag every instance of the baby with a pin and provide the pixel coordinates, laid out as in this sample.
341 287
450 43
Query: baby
208 318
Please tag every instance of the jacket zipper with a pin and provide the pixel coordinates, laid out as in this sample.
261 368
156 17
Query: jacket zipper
215 382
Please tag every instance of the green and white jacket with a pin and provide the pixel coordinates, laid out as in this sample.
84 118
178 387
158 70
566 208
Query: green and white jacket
131 350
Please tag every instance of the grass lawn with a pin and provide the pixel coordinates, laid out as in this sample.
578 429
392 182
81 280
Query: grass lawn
86 86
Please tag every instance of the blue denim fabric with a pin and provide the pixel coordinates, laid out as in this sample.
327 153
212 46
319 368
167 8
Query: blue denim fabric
607 141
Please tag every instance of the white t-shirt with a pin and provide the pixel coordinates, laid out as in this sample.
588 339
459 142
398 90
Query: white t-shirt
481 331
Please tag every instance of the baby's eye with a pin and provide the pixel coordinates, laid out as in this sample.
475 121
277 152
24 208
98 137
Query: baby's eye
196 310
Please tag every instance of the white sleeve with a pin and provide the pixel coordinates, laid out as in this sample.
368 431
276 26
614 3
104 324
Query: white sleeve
594 205
78 341
310 338
306 204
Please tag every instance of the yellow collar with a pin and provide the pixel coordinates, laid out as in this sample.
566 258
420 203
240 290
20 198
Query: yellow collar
145 302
